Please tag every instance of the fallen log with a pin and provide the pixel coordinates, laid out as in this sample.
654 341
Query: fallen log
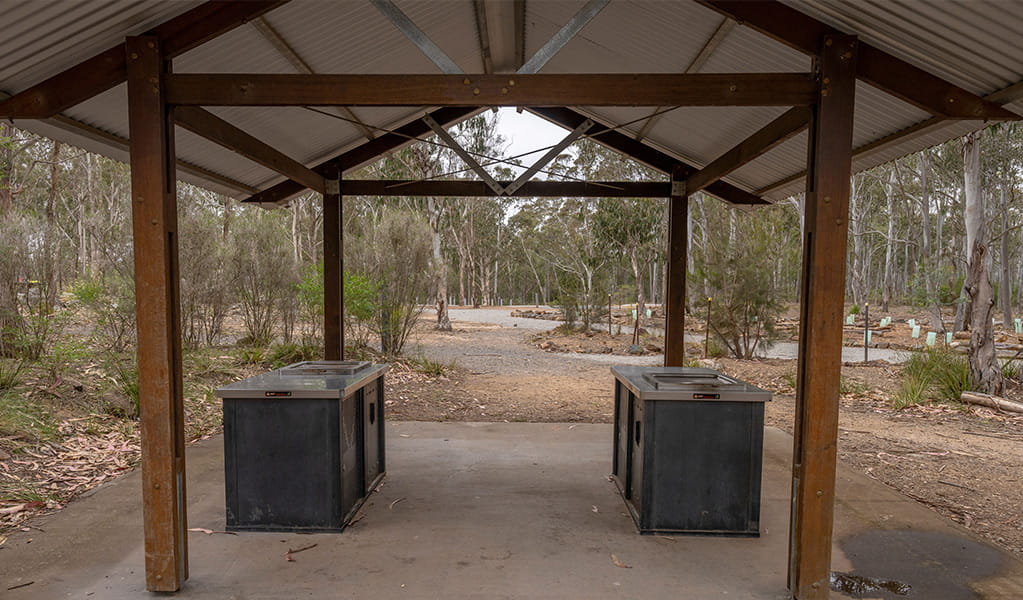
990 401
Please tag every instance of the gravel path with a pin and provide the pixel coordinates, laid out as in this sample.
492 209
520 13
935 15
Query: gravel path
502 316
500 349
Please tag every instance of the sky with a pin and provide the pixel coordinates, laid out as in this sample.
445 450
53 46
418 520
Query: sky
526 132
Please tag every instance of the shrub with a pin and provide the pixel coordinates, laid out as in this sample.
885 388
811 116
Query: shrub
289 352
395 253
935 375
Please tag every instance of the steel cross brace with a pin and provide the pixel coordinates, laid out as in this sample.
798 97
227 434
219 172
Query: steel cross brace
492 183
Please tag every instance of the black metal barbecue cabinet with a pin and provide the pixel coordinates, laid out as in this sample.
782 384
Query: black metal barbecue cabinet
303 445
688 450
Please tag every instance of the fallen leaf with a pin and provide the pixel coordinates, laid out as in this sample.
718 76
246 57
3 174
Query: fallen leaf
595 508
10 510
391 505
618 563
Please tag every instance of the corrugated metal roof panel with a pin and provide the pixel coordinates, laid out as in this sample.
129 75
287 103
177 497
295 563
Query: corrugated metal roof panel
974 44
659 37
41 39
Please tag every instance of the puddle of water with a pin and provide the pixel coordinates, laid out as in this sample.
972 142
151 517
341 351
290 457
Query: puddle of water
858 586
931 564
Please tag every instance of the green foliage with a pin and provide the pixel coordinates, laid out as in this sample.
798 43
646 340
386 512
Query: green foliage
125 375
290 352
361 293
110 302
429 367
208 281
854 309
253 355
64 354
715 349
934 375
19 415
266 276
739 276
10 373
393 255
309 292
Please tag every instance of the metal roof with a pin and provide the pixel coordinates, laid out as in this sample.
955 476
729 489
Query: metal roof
973 44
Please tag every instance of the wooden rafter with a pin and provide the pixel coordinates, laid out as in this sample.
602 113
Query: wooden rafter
1003 96
365 153
121 143
468 188
876 67
645 89
108 69
208 125
652 157
777 131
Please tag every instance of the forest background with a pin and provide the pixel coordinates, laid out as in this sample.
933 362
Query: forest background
66 286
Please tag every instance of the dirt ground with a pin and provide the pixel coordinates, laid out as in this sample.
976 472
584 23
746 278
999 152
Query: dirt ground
962 462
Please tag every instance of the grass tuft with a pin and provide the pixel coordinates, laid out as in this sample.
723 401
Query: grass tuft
936 375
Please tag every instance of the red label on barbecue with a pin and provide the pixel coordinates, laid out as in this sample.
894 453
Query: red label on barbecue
706 396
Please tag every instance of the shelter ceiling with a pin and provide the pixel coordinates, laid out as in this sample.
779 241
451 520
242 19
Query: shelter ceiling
974 45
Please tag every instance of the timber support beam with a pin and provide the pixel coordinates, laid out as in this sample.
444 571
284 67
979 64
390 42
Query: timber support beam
675 298
643 89
333 268
774 133
469 188
154 226
815 449
208 125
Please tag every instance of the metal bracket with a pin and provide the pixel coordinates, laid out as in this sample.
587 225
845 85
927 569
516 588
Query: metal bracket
332 187
678 188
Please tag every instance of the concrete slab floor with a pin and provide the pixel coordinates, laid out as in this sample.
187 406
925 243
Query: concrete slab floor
499 511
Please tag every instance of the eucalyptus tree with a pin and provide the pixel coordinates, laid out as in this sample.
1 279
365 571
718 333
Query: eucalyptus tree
985 373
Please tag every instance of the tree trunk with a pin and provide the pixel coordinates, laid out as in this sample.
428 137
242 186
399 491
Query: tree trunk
889 244
985 373
49 254
637 272
440 268
1005 286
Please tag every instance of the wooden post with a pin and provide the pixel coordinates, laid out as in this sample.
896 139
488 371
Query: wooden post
675 298
154 225
820 327
333 268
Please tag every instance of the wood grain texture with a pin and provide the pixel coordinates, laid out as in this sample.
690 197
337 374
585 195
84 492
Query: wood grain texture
333 269
821 319
208 125
154 228
645 89
771 135
675 297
